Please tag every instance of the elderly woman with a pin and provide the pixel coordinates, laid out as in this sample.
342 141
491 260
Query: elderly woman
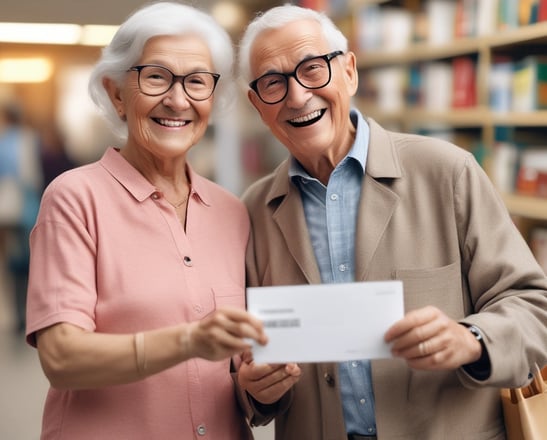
136 297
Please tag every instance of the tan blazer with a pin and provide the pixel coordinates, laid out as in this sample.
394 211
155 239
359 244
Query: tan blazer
428 216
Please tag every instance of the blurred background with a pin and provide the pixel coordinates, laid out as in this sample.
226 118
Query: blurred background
470 71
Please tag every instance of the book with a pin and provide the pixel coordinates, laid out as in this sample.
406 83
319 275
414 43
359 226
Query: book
500 85
441 19
528 12
508 14
390 85
466 18
542 10
464 82
396 29
368 28
437 86
487 17
529 85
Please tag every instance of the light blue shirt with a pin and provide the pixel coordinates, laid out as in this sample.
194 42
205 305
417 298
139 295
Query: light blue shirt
331 215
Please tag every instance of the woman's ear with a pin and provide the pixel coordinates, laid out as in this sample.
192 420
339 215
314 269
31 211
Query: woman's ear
114 93
255 101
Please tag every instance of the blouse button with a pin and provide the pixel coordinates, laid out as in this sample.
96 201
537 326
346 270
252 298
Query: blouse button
201 430
187 261
155 196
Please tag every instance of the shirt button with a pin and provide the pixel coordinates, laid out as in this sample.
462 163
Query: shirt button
187 261
197 308
362 401
342 267
201 430
329 379
354 364
370 430
334 197
155 196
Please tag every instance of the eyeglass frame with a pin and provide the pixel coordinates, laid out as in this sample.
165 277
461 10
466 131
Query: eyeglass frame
174 79
327 57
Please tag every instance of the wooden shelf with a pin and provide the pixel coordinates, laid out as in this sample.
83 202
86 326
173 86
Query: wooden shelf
526 206
514 119
475 117
462 46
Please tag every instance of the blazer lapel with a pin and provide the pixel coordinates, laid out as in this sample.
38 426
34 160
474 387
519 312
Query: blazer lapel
290 218
378 201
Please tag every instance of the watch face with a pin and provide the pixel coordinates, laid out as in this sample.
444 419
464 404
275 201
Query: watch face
476 332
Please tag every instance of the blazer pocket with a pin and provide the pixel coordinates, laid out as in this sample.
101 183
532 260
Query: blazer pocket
440 287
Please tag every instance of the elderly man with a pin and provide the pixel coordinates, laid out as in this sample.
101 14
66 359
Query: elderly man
355 202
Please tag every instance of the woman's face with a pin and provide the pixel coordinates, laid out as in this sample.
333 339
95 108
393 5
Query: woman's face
168 125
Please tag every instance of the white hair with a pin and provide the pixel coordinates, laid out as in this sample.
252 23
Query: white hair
155 19
278 17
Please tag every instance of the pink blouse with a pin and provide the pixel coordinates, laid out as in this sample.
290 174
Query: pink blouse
109 254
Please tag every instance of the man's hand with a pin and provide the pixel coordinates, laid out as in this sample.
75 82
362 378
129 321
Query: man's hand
429 340
267 383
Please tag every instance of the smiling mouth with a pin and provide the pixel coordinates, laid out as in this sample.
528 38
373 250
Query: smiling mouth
171 122
306 120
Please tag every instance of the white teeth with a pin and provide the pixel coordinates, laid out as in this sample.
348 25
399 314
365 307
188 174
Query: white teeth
307 117
171 123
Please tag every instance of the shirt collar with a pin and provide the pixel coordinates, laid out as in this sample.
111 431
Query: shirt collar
140 188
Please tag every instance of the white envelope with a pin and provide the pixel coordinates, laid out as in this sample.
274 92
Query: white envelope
325 322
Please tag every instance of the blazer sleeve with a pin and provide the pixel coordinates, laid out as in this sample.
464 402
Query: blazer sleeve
506 284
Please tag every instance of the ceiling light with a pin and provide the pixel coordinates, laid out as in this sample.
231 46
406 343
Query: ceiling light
49 33
97 35
25 70
42 33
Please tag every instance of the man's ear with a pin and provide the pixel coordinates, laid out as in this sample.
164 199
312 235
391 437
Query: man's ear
350 69
114 93
255 101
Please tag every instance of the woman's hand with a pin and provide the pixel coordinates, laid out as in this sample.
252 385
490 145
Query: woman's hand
222 334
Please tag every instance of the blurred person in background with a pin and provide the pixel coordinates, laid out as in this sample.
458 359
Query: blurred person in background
136 295
54 157
356 202
20 190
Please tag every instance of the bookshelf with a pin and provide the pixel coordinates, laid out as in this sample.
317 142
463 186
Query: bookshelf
477 126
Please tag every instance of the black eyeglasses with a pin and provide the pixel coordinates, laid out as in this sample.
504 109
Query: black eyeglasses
157 80
311 73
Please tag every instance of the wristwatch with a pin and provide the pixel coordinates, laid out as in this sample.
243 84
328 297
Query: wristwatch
475 331
481 368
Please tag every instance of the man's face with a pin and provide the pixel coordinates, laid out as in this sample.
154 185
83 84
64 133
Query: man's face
309 122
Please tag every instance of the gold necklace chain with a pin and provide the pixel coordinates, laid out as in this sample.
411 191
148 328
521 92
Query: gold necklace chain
179 204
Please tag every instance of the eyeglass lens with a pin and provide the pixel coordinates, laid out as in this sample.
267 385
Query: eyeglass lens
156 80
312 73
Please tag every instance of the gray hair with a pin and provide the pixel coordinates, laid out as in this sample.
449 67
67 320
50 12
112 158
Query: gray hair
127 45
278 17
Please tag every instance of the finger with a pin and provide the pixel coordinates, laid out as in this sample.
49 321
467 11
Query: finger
240 323
271 392
293 369
239 315
247 356
411 320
